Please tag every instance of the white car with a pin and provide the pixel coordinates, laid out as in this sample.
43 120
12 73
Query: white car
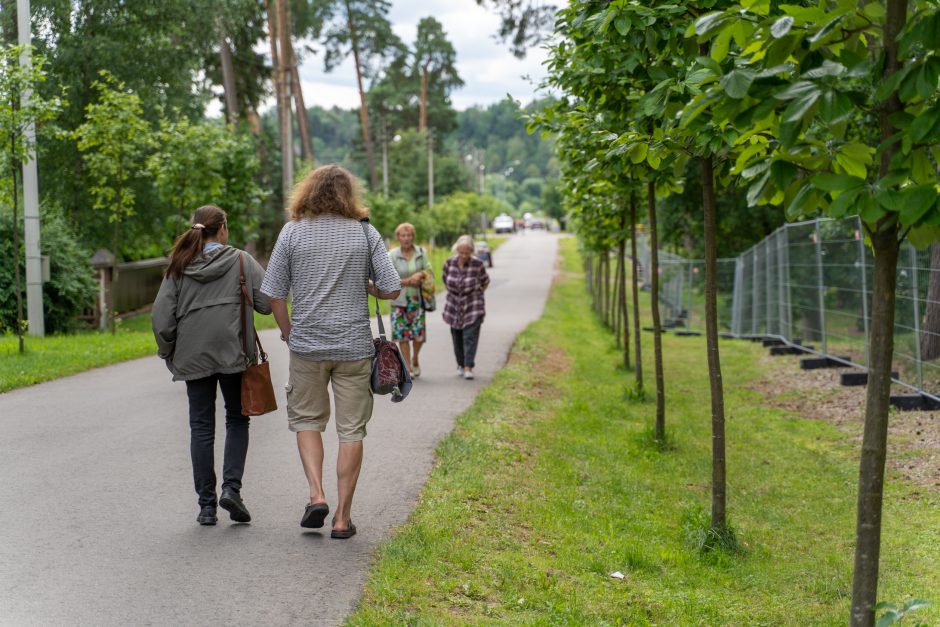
504 223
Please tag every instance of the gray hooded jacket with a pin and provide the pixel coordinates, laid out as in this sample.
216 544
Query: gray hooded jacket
196 317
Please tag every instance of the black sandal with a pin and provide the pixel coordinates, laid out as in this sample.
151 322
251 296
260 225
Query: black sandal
343 534
314 515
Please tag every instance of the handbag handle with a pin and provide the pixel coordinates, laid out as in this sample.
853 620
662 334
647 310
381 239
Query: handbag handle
245 303
378 316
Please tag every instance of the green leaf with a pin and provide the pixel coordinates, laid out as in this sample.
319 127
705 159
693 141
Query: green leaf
638 153
854 159
801 106
834 107
837 183
721 44
869 210
737 82
817 39
921 237
915 604
916 202
828 68
783 173
622 24
801 203
781 27
756 190
921 170
797 90
709 21
840 207
924 123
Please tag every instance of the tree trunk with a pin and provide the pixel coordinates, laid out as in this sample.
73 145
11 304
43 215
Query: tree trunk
657 329
615 305
228 81
303 122
287 128
719 519
363 108
622 287
607 319
874 440
283 106
17 280
930 338
886 247
423 102
635 284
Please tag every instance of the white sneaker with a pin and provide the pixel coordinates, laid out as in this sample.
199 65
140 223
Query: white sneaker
467 374
416 371
459 371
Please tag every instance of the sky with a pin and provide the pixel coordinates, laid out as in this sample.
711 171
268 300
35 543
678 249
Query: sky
487 67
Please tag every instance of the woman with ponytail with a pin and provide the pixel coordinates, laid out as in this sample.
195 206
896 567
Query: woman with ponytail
197 324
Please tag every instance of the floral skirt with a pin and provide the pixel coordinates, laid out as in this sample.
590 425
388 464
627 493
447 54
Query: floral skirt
408 321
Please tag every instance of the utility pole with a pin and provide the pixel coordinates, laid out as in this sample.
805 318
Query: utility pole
286 130
34 306
384 155
430 168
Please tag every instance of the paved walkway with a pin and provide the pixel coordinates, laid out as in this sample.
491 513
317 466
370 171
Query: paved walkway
97 510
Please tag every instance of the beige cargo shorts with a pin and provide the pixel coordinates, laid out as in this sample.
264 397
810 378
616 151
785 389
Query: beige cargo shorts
308 402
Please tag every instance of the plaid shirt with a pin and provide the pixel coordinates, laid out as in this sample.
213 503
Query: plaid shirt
465 305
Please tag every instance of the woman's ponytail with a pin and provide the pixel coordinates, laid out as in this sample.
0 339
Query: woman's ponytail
207 221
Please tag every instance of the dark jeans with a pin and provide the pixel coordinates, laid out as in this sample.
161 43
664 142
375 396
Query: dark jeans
201 394
465 343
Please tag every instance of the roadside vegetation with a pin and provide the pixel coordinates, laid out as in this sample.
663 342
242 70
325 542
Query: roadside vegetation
552 482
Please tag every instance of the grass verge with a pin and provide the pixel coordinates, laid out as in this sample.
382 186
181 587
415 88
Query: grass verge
550 483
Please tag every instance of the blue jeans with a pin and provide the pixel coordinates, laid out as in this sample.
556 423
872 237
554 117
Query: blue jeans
201 393
465 343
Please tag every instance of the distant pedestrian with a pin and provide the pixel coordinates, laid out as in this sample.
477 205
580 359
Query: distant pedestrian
465 279
414 267
196 321
322 259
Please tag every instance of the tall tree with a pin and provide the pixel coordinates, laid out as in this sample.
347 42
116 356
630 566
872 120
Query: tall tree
361 28
435 63
523 23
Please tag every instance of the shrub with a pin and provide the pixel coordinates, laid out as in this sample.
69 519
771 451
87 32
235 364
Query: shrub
72 286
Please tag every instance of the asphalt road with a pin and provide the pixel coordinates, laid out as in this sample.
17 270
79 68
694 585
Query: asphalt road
97 509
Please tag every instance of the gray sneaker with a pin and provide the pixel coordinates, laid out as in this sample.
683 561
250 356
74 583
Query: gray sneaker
467 374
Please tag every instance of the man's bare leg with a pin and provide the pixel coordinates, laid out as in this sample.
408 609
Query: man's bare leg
348 464
310 445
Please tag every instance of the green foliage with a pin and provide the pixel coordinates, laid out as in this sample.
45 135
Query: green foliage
894 615
208 162
15 118
460 213
113 141
72 288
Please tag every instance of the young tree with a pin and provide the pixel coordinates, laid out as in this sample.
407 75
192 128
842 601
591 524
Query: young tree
113 141
16 145
838 107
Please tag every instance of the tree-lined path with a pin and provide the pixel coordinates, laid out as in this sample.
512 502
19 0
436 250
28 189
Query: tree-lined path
97 511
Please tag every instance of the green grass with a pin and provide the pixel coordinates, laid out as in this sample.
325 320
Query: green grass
551 482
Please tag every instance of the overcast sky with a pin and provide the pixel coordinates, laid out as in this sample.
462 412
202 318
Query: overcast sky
487 67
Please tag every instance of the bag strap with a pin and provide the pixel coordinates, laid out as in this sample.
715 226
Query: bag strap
245 303
369 249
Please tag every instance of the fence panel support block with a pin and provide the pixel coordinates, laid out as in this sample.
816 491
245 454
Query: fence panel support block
815 363
859 378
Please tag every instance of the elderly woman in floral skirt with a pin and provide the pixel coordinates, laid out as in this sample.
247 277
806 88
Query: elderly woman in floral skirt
414 267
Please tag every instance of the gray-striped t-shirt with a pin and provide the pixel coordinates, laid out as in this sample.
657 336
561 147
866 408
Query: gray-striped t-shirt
322 261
